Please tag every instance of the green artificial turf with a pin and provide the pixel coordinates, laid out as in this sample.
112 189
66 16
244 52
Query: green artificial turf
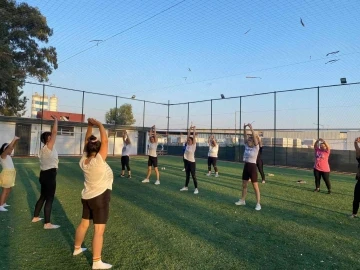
159 227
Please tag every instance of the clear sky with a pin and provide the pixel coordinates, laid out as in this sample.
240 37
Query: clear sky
200 49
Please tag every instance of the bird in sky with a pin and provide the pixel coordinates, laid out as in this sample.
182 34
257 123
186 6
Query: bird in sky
332 61
251 77
189 69
247 31
302 23
97 41
332 53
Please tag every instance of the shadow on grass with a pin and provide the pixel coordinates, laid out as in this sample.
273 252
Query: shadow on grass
187 214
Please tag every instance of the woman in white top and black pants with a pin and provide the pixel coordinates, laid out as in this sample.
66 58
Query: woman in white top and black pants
95 196
8 173
49 162
212 156
153 160
250 169
189 157
125 155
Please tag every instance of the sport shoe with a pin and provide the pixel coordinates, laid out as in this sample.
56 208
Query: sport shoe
145 181
240 202
183 170
101 265
216 175
353 216
157 182
129 176
263 181
3 209
329 191
51 226
196 191
208 174
258 207
6 205
316 190
122 175
184 189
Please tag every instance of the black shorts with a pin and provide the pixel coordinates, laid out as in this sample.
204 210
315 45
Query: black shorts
250 172
152 161
97 208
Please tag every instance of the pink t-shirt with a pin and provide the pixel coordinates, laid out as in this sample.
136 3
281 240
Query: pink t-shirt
322 160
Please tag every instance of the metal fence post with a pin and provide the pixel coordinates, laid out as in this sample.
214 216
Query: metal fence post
168 123
240 129
188 115
144 116
116 115
82 118
274 128
42 111
318 112
211 119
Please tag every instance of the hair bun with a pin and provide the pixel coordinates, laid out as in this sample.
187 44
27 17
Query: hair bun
92 138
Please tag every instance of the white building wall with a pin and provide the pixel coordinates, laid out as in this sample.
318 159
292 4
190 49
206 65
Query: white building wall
7 132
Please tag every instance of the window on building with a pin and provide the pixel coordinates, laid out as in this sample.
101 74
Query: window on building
343 135
65 131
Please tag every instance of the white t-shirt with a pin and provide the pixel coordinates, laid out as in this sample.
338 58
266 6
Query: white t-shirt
7 163
251 153
49 159
98 176
152 149
190 152
126 149
213 151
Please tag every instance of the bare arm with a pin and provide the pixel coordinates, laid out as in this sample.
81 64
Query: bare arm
54 131
357 148
316 143
104 139
256 140
154 134
327 145
10 147
188 135
124 136
245 135
194 135
260 141
88 133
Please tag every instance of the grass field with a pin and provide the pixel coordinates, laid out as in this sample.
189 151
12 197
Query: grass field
159 227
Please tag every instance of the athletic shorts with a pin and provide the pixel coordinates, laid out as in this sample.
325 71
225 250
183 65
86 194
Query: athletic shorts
250 172
97 208
152 161
7 178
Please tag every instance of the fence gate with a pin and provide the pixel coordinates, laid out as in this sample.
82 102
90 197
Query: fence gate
23 146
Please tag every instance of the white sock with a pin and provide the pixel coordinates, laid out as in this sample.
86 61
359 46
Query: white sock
78 251
101 265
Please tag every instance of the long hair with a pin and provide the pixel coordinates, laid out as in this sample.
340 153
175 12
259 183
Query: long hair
92 146
3 147
44 137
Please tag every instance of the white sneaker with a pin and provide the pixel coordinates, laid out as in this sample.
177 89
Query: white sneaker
3 209
5 205
196 191
216 175
101 265
145 181
157 182
184 189
258 207
183 170
51 227
240 202
208 174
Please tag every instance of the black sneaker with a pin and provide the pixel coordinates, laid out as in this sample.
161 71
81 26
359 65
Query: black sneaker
329 191
316 190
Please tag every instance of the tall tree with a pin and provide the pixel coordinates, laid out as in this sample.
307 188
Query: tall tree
22 29
121 116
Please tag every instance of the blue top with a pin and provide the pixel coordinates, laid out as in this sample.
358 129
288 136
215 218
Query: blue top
184 148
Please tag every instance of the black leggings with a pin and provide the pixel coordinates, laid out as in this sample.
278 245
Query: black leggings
325 175
125 161
260 166
356 198
212 161
48 187
190 168
184 160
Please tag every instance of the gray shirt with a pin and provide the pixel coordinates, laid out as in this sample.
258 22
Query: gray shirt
251 153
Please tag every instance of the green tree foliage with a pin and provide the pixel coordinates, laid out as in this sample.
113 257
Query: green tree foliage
121 116
22 32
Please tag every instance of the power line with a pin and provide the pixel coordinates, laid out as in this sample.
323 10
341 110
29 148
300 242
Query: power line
127 29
